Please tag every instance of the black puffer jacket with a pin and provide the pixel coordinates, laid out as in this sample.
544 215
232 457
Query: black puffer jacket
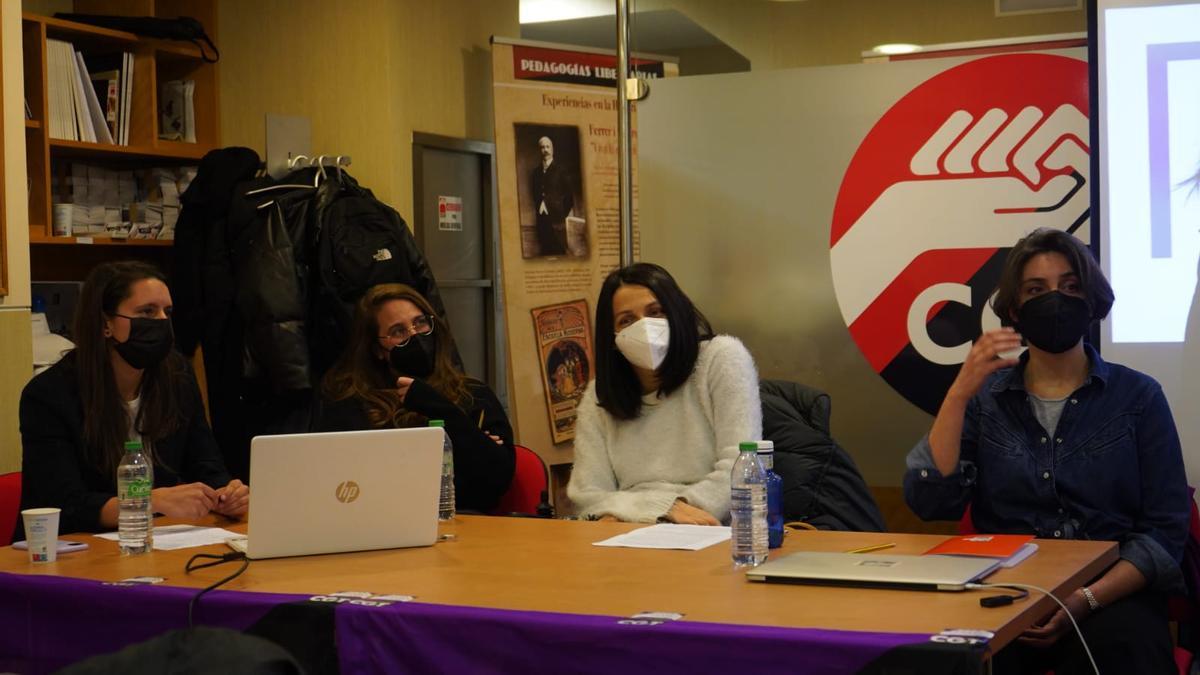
248 286
821 483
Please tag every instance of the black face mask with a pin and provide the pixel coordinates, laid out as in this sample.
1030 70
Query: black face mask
149 342
1053 322
415 357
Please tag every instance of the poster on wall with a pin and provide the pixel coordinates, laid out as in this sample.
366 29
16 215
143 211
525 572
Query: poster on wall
550 190
998 161
564 338
556 169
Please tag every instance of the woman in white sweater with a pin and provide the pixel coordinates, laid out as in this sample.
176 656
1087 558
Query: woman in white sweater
658 429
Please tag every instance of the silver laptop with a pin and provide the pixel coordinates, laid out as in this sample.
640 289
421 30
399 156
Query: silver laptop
344 491
913 572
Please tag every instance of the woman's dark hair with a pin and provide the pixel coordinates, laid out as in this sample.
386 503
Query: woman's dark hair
105 416
359 373
1096 291
617 388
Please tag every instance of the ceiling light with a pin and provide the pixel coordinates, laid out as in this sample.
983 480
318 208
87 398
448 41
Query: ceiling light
896 48
540 11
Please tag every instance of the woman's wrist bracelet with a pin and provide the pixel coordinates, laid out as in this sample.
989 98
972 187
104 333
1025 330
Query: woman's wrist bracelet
1092 602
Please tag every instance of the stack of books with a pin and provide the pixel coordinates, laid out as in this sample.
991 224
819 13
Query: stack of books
124 204
88 104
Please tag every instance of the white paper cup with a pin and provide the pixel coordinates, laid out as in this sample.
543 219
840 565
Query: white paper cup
41 530
63 215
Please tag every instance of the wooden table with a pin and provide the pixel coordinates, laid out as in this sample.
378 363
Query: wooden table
551 566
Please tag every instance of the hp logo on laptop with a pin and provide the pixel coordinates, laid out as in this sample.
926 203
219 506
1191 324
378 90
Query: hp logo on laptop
347 491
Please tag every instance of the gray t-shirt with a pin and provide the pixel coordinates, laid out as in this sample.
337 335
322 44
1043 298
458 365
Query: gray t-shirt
1047 411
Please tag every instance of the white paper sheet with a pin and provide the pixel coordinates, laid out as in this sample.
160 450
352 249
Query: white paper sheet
171 537
670 536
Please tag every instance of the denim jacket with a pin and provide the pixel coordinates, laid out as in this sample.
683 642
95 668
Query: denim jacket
1112 470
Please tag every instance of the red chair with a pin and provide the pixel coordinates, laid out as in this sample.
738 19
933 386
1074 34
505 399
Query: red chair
530 487
10 505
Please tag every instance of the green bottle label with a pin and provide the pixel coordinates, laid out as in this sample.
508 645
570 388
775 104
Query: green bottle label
138 488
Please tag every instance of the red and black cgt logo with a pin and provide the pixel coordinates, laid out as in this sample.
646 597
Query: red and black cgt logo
945 182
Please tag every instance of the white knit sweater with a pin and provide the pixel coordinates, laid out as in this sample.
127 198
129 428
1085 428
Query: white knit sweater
681 446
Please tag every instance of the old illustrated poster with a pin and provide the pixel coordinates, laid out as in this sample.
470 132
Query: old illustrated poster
556 177
564 338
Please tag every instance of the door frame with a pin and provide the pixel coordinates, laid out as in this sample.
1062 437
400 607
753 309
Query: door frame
497 375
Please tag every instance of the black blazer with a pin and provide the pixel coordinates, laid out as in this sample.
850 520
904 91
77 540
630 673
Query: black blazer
56 472
483 468
552 185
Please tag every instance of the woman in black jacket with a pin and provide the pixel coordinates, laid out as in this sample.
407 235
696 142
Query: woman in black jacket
398 371
123 381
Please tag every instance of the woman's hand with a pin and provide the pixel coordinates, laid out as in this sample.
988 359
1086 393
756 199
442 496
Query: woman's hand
1048 631
403 384
983 360
685 514
233 500
186 502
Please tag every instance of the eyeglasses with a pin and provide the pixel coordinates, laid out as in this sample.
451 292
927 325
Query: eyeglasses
401 334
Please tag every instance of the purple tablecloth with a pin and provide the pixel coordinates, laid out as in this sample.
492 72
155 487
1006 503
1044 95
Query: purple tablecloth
48 622
422 638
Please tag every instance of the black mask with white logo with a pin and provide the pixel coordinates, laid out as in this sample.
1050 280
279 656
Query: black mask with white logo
415 357
1054 322
149 342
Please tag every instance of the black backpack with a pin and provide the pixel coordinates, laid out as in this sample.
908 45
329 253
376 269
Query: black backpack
174 28
360 242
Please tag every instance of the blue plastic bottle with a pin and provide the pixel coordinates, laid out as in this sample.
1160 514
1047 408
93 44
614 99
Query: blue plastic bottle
766 457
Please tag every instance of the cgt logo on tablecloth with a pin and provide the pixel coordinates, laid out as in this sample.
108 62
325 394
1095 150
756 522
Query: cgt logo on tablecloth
945 182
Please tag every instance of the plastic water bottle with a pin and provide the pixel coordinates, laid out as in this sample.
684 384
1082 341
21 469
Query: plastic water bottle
766 457
135 480
748 506
446 501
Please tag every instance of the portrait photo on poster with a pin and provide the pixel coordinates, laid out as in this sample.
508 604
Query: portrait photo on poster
564 342
550 191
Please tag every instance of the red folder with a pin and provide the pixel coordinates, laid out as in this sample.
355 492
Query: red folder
983 545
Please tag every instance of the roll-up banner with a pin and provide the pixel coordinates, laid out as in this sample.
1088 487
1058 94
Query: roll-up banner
555 110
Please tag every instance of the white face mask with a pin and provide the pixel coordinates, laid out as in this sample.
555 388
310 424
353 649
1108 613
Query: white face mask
645 342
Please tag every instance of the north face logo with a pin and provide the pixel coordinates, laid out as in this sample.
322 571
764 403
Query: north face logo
942 186
382 255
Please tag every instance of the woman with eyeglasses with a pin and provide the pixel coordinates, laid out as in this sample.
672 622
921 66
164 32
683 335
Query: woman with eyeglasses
657 431
398 370
122 382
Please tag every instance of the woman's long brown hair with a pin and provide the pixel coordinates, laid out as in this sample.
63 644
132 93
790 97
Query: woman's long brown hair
359 373
105 416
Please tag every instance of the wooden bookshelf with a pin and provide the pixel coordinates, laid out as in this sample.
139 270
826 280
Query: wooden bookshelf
155 62
84 240
166 150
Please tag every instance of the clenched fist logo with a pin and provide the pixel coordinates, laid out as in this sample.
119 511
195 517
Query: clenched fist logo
946 181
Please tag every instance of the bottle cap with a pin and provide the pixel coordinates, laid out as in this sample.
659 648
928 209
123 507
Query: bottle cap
748 446
437 423
132 446
766 447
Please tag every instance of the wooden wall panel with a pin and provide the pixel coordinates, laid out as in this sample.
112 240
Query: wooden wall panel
14 373
367 73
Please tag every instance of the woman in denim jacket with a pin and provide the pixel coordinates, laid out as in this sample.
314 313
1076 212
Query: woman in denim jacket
1060 444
